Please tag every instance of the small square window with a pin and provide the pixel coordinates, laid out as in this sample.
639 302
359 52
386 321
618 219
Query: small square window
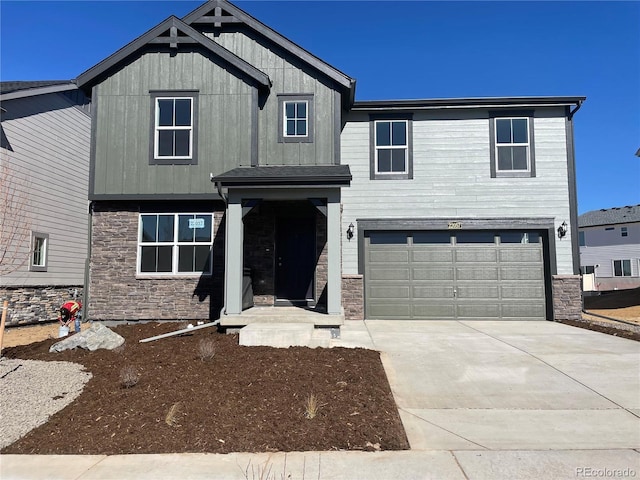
295 115
39 252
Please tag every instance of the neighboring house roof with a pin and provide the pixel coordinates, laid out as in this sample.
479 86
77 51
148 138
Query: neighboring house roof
488 102
288 174
22 89
217 12
157 35
610 216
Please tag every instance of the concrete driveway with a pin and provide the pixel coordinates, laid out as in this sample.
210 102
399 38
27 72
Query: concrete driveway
495 385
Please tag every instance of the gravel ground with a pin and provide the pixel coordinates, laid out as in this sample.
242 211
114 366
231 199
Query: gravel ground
31 391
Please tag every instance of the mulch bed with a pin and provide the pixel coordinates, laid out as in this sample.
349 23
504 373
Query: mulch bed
244 399
620 330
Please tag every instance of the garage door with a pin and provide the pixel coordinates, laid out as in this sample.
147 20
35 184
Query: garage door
461 275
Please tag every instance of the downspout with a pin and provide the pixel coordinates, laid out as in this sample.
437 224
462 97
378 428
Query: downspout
225 199
575 110
87 269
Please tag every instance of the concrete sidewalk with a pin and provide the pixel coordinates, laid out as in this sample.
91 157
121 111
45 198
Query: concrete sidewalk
479 400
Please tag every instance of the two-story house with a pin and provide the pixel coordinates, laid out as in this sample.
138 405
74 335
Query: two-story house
44 159
222 151
610 248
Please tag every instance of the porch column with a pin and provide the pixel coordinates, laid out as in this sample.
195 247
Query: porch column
334 276
233 255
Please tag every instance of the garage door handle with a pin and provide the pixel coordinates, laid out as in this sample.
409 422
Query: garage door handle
455 292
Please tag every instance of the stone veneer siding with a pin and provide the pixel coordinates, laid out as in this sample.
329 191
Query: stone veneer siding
29 305
353 297
117 293
567 297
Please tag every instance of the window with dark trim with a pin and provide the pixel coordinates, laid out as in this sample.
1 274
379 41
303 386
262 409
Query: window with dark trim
295 118
174 127
39 252
622 268
391 147
175 243
582 241
512 144
624 232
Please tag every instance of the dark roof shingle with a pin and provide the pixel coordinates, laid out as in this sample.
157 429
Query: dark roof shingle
610 216
16 86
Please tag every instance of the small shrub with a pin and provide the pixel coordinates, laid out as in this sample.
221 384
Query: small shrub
311 406
172 416
206 349
128 376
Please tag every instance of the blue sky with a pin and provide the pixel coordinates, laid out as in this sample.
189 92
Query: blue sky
394 49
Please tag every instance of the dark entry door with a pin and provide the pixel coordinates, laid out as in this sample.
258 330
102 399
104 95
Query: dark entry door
295 258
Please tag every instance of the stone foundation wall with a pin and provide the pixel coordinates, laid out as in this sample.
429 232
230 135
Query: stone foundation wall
29 305
567 297
353 297
117 293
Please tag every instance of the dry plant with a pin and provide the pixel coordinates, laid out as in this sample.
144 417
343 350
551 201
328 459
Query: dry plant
15 220
206 349
265 471
311 406
172 416
128 376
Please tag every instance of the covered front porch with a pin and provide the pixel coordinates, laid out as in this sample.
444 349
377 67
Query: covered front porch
283 245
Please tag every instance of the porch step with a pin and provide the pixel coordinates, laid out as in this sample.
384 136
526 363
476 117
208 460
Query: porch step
281 335
281 315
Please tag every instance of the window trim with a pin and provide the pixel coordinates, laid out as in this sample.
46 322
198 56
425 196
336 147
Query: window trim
511 114
613 264
373 148
173 94
173 244
45 265
285 98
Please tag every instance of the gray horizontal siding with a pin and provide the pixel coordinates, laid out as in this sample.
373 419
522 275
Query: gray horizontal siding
50 140
452 177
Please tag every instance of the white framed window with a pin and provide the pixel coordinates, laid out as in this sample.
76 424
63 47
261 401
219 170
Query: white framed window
391 147
512 144
39 252
173 127
175 244
622 268
296 118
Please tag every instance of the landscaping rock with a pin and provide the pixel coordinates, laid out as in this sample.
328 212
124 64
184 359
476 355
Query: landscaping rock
97 336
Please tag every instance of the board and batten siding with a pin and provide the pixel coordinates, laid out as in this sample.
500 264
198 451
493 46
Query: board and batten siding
289 76
451 177
50 139
124 120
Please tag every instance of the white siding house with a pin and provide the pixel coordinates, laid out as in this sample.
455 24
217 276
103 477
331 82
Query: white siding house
610 247
46 132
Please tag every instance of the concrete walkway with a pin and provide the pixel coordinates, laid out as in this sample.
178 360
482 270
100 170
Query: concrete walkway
479 400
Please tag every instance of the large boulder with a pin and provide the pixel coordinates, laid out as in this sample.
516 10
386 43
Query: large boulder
97 336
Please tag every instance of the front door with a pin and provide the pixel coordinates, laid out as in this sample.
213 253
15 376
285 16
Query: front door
295 259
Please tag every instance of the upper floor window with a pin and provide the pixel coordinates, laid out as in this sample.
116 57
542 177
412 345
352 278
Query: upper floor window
624 232
175 243
512 150
391 148
39 252
295 115
174 127
622 268
582 241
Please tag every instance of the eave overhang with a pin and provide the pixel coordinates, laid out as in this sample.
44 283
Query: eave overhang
458 103
285 175
44 90
156 36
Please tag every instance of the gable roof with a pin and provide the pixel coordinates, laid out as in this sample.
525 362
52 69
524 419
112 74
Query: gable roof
610 216
218 12
174 26
21 89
